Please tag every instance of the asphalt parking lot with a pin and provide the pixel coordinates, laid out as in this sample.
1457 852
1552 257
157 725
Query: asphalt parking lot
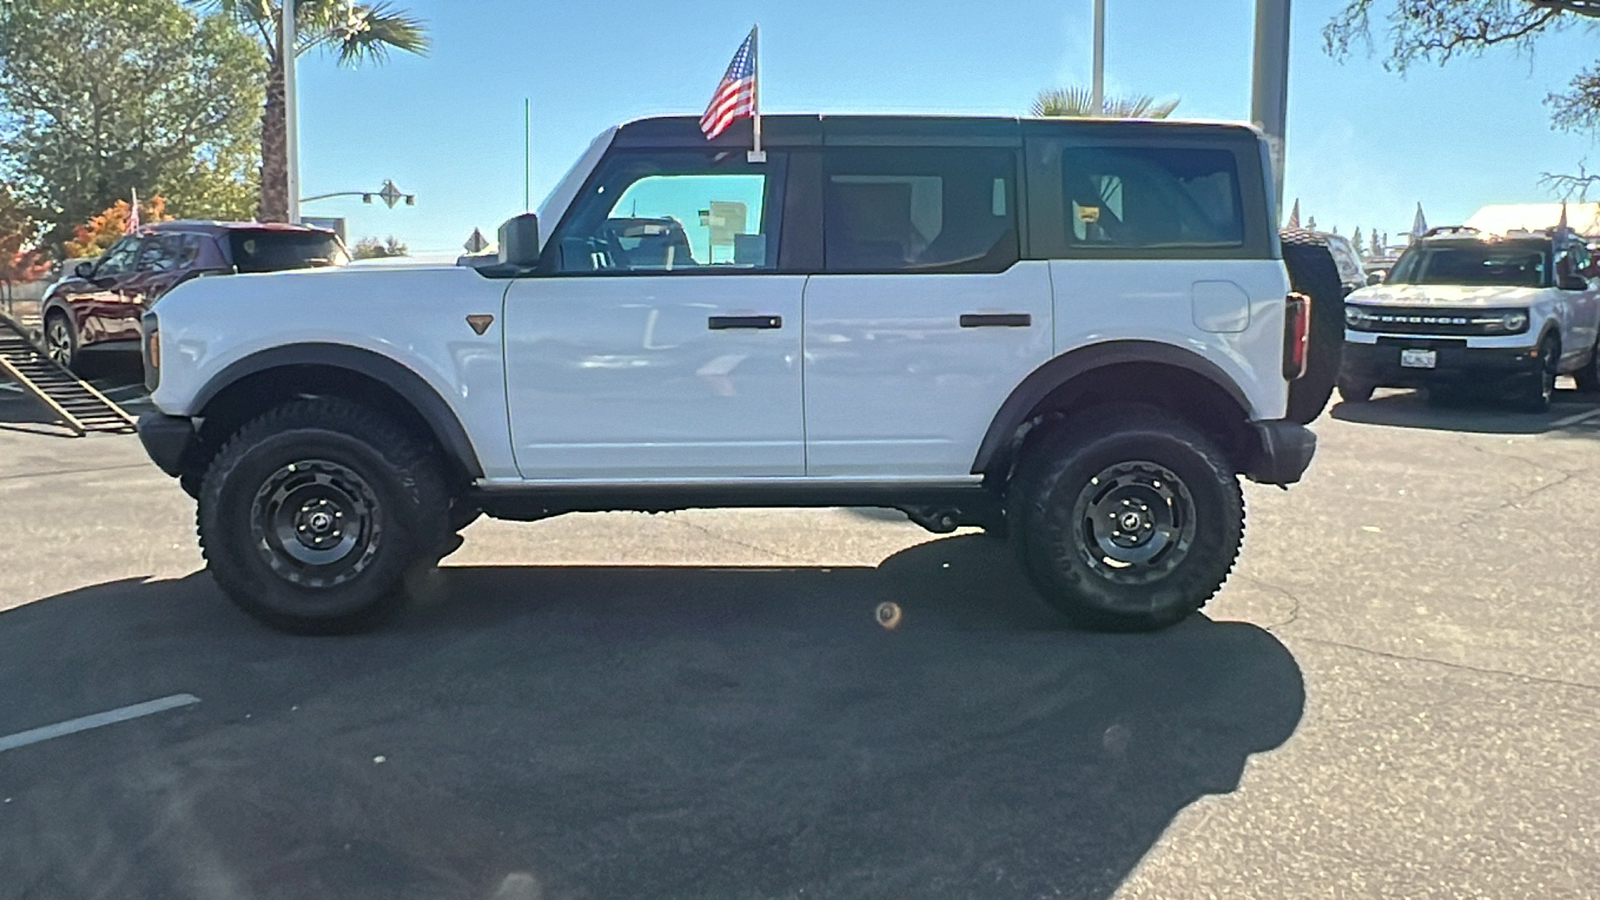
1397 694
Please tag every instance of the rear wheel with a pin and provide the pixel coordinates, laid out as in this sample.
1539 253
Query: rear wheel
311 515
1126 520
1588 377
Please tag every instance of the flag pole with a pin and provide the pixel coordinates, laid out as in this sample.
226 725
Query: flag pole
756 155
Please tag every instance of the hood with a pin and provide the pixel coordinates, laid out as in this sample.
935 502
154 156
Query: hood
1451 295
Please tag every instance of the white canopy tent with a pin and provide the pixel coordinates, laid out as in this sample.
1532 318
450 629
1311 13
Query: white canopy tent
1582 218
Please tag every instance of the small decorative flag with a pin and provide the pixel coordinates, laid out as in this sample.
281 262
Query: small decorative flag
1294 215
133 214
1419 224
735 97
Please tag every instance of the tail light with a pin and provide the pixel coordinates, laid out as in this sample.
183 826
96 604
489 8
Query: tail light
1296 335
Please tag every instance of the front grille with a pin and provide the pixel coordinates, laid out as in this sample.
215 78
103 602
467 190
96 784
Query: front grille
1432 320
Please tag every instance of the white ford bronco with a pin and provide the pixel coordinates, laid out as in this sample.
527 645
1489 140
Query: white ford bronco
1075 333
1464 309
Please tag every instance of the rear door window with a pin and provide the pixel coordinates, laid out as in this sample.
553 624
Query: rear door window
1151 198
275 251
920 210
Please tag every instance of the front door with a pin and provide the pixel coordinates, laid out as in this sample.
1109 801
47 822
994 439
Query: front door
658 340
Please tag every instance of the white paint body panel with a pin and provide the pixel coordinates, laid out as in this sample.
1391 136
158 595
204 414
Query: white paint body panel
620 377
1574 314
1227 311
895 386
414 316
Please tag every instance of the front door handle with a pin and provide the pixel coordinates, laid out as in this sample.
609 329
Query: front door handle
721 323
996 320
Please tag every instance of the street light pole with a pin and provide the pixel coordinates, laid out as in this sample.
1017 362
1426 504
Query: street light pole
1269 98
1097 90
291 125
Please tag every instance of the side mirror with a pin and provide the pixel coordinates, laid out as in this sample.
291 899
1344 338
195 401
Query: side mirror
519 241
1375 278
83 269
1573 283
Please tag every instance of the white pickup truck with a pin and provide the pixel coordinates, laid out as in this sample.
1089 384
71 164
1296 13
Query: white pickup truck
1077 333
1462 309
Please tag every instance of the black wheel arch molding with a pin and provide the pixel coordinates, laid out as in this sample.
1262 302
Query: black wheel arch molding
416 392
1257 449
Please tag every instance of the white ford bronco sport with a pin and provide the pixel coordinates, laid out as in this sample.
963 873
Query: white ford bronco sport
1076 333
1464 309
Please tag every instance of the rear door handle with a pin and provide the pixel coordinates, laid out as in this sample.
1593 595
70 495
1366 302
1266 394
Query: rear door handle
996 320
721 323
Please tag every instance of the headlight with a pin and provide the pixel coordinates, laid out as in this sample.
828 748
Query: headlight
1514 321
1355 316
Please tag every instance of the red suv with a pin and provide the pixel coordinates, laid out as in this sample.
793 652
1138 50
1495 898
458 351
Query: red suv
98 306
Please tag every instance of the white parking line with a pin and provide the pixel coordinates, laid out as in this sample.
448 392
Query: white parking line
1575 419
109 717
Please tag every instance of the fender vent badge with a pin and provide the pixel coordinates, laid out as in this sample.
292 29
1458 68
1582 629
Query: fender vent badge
480 322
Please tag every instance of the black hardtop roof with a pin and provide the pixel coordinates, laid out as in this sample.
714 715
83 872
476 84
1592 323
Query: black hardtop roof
811 130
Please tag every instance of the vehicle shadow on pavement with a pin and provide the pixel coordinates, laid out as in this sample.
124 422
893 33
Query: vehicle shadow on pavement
655 732
1475 415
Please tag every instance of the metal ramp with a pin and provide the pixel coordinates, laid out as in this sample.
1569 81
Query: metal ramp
72 401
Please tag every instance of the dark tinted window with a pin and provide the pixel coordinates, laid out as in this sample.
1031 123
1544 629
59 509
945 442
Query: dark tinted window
674 212
275 251
1473 263
911 210
119 258
162 251
1153 197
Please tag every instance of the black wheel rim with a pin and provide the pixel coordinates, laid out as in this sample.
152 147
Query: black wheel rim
1134 522
58 342
316 523
1547 374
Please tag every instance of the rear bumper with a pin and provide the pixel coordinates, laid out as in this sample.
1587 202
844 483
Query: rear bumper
1283 452
1379 364
168 440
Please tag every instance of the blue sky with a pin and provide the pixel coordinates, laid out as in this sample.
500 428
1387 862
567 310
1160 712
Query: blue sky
1364 145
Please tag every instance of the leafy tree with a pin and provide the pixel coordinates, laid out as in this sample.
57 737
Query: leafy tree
1078 103
101 231
355 32
101 97
1439 30
20 256
372 248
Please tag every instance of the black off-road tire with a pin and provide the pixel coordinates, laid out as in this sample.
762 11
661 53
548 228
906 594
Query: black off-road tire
1313 272
311 516
1110 460
1536 391
1351 391
1588 377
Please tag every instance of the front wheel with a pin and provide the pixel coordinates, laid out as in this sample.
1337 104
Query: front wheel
1126 520
60 340
1538 390
311 515
1352 391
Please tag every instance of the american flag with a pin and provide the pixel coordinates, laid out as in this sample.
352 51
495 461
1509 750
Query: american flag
133 214
735 96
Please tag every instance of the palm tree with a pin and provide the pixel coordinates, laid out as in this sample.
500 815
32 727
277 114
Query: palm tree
1078 103
356 32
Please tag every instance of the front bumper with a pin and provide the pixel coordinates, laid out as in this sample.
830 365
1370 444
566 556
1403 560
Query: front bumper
1283 452
1457 364
168 440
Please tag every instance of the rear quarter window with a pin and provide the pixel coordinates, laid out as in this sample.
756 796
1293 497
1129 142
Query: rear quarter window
276 251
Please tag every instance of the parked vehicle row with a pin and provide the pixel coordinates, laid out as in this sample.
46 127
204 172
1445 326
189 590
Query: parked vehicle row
98 304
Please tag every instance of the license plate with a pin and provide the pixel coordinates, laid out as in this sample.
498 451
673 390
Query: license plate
1419 359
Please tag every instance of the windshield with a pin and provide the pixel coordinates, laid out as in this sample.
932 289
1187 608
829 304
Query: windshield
1474 263
275 251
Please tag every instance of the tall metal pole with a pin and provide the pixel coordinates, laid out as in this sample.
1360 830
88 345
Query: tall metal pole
291 124
1097 90
1269 96
527 154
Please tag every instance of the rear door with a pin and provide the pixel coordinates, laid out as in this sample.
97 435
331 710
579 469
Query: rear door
924 317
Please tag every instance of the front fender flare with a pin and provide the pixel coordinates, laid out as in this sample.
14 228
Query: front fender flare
412 388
